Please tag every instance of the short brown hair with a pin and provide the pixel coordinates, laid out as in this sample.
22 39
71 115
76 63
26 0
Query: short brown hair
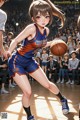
40 6
44 6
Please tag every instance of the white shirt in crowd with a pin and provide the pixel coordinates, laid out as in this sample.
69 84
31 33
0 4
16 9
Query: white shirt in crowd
44 57
78 36
73 63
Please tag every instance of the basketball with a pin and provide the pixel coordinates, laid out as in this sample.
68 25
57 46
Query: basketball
58 47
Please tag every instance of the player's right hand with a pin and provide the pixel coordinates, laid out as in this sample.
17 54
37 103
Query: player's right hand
6 55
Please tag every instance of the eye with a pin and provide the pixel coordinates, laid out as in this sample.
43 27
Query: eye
47 16
37 17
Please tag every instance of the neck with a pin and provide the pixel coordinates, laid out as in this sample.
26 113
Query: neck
41 29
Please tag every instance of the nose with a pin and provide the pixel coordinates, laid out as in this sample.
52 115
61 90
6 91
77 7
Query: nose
43 18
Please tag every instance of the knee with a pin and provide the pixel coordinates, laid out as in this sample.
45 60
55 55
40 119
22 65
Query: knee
27 93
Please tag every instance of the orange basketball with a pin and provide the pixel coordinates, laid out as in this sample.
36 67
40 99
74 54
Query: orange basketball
58 47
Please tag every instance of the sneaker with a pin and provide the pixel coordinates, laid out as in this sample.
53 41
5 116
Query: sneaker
58 81
68 82
62 81
11 86
3 91
72 83
65 107
31 118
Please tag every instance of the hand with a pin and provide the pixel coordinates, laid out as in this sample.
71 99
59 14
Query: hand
54 68
6 55
70 69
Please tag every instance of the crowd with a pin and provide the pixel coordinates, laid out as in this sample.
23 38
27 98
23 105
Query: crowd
63 69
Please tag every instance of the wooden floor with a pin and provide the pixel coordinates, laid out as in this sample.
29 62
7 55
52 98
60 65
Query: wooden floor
45 105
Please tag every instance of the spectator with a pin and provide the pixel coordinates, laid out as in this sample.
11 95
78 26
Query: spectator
73 66
64 70
60 69
71 44
8 38
3 75
52 68
44 60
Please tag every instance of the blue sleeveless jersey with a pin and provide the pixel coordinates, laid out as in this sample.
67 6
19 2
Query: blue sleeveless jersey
28 46
22 61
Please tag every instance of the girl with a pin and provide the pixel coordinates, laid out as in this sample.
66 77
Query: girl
34 37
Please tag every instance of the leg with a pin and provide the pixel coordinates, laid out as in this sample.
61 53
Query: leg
3 80
63 73
43 67
73 76
54 75
40 76
59 76
23 83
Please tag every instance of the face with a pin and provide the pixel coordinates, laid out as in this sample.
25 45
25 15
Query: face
66 57
44 51
73 55
69 39
41 20
9 36
51 58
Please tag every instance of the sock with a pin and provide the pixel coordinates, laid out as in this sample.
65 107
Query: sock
28 111
60 96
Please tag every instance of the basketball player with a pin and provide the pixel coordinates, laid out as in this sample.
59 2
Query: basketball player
3 18
34 36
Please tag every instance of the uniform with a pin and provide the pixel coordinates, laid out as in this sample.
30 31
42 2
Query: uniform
22 60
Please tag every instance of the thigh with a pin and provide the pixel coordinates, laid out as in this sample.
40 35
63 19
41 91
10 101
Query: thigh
40 76
22 82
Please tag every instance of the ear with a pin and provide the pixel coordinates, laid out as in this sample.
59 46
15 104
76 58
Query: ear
32 19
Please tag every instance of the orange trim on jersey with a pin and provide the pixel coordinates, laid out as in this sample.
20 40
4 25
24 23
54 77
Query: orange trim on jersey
26 48
18 74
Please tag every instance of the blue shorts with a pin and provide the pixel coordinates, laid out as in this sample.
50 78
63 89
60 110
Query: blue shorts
19 64
44 63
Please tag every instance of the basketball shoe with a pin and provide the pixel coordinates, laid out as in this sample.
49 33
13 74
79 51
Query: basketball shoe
31 118
65 107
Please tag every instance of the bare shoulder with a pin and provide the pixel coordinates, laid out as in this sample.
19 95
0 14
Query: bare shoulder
47 30
30 31
31 28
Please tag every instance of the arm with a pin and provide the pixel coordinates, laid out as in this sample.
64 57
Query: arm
3 18
77 63
1 42
69 65
29 30
48 44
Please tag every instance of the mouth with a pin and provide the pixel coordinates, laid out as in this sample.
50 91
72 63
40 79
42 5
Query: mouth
43 24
